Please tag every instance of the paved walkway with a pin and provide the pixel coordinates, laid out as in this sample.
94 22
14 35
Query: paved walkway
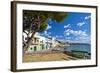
53 56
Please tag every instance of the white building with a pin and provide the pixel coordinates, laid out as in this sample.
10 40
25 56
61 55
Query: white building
40 43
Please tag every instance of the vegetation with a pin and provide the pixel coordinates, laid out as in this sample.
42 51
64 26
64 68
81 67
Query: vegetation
36 21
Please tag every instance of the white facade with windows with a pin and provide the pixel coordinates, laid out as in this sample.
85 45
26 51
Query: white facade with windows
40 43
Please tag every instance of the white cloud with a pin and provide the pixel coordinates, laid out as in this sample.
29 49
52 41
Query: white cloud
80 33
77 36
66 26
80 23
87 17
49 33
48 27
84 39
67 33
67 38
79 39
60 36
45 32
75 32
56 36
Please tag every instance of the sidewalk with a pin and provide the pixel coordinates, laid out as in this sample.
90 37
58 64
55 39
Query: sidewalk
51 56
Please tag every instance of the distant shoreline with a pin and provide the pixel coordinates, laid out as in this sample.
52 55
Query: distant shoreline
80 44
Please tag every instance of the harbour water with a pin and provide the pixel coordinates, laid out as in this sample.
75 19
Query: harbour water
79 48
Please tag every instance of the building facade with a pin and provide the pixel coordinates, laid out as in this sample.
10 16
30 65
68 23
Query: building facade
40 43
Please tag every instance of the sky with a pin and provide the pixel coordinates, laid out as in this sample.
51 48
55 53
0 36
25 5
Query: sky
76 27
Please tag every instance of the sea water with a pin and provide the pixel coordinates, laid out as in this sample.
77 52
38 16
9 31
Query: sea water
79 48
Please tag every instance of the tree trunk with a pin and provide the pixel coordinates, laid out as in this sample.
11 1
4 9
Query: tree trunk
29 42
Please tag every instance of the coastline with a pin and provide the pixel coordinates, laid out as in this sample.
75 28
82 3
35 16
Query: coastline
55 54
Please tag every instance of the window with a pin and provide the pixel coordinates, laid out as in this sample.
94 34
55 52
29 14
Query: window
42 46
35 40
41 41
35 48
31 48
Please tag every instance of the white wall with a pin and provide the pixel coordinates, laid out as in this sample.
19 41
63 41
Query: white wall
5 37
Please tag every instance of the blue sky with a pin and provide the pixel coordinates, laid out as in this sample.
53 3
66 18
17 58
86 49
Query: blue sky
74 28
